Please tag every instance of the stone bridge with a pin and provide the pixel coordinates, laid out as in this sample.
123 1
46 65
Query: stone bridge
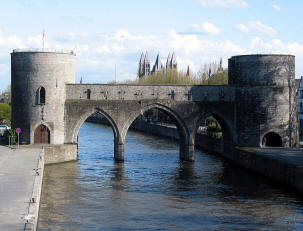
186 105
258 102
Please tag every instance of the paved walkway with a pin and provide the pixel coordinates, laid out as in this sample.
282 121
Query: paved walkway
16 185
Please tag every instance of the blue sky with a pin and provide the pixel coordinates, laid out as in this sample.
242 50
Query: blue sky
106 33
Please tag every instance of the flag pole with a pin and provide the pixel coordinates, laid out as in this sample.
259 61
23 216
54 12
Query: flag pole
43 35
115 73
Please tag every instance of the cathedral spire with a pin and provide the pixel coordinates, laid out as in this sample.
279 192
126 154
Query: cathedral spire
168 61
158 65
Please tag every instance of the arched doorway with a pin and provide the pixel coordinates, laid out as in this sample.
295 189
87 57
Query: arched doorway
271 139
42 135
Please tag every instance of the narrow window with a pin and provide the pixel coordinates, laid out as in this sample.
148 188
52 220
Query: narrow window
88 93
40 95
172 95
189 96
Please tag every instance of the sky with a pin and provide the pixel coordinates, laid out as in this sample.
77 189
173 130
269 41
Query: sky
109 33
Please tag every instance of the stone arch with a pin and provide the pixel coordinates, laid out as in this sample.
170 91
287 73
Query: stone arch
184 140
47 125
87 114
271 139
228 137
224 123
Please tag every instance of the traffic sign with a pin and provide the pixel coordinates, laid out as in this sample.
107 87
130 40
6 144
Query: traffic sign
18 130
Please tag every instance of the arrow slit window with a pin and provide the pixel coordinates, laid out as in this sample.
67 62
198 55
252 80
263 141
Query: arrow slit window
40 96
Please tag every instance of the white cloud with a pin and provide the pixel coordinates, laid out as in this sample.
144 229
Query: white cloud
72 35
1 41
257 27
207 28
122 35
243 28
103 49
259 46
14 42
223 3
276 7
34 41
97 55
117 47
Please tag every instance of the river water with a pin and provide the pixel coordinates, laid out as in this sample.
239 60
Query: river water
153 190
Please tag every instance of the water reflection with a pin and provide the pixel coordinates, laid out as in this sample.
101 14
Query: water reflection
154 190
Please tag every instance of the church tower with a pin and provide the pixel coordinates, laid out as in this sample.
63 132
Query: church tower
171 62
158 67
144 65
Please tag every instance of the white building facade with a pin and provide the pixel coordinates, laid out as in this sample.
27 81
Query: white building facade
300 108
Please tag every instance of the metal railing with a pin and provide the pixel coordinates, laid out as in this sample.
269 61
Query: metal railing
44 50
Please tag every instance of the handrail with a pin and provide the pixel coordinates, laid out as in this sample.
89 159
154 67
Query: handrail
44 50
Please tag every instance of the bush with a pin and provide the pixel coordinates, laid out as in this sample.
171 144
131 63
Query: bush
214 130
10 132
174 77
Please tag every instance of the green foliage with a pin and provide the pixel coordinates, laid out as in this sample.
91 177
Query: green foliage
179 78
213 128
10 132
8 90
5 113
219 78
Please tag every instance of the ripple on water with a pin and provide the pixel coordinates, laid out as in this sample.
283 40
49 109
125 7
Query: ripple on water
153 190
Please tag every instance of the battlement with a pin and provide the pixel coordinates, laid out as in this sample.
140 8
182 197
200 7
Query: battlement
43 50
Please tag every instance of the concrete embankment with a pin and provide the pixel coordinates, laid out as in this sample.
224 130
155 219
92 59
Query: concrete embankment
283 165
21 174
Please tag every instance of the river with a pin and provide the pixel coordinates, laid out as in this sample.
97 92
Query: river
154 190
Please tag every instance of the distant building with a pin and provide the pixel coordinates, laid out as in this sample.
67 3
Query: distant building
299 83
144 65
220 69
158 67
171 61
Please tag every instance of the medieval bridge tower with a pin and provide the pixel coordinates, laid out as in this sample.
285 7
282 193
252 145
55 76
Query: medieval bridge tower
258 102
38 93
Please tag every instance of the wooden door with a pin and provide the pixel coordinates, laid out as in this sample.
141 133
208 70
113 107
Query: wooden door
42 135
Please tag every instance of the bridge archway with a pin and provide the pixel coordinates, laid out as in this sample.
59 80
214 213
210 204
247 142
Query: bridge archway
216 137
89 113
184 138
271 139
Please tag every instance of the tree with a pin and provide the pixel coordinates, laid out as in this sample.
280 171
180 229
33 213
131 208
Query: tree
5 113
8 91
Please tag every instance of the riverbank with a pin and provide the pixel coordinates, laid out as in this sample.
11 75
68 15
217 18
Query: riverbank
21 174
282 165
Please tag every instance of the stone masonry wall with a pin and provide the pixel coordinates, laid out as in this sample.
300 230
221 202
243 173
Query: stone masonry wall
30 71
